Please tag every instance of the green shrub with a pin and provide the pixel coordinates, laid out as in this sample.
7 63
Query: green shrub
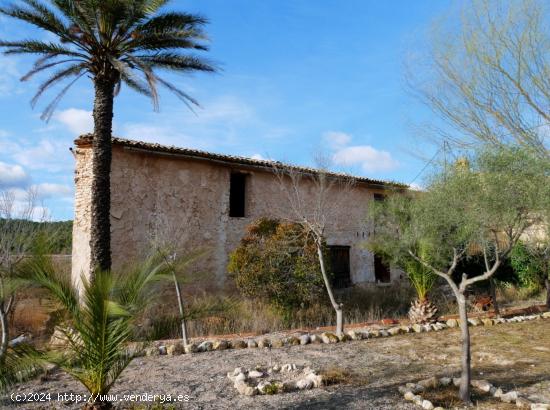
277 262
528 266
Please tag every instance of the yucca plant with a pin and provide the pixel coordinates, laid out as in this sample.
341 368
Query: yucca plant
423 280
99 321
112 42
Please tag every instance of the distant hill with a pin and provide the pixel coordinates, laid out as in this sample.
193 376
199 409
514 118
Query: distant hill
58 235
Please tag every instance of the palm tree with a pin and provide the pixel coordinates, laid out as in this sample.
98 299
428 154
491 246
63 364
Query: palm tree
97 331
113 42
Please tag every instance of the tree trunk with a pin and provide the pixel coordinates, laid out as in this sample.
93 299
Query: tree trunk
5 334
464 392
547 284
493 293
180 305
337 307
100 240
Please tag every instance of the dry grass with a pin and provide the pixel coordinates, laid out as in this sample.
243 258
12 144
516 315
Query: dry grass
212 314
447 397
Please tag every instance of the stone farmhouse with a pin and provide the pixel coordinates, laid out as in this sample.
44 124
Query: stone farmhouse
205 201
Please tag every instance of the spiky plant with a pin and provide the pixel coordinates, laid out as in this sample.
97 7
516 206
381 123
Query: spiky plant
112 42
423 280
98 330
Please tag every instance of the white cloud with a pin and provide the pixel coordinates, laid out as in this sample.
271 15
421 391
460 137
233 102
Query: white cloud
259 157
9 76
12 175
416 187
76 120
336 139
50 155
49 190
367 157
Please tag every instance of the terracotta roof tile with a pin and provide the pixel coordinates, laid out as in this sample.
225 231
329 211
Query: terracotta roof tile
86 139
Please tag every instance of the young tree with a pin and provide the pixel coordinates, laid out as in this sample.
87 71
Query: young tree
97 332
112 42
481 208
316 200
17 236
486 74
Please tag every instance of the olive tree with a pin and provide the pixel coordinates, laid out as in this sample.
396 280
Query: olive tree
482 207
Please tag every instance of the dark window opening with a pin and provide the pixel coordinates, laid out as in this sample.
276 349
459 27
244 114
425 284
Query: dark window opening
379 197
339 263
237 195
381 270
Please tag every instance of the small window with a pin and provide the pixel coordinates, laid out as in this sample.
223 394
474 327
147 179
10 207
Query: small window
339 263
379 197
237 195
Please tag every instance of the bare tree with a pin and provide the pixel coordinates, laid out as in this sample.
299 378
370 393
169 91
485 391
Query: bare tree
17 236
316 200
169 239
487 74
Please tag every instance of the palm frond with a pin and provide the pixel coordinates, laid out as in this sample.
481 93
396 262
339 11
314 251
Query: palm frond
39 16
172 23
38 47
179 62
20 363
183 96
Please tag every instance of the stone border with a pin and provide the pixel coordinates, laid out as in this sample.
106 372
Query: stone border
252 382
177 348
411 392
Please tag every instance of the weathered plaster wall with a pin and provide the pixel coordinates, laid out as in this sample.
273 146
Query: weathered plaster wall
187 202
81 255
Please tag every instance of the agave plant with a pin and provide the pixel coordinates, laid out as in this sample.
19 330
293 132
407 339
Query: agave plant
423 280
100 321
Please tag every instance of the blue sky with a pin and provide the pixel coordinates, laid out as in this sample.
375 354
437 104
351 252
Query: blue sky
299 76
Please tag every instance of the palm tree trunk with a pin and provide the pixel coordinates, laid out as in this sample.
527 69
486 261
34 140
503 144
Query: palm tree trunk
100 238
464 392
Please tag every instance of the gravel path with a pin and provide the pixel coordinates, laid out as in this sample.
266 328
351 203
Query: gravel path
509 355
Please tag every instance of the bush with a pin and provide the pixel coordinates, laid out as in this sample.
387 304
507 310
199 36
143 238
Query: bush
528 267
277 262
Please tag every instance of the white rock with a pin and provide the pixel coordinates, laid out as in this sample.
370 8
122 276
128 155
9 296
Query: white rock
254 374
251 344
498 393
482 385
409 395
456 381
445 381
540 406
509 397
245 389
305 339
237 371
162 350
205 346
304 384
427 405
316 379
241 377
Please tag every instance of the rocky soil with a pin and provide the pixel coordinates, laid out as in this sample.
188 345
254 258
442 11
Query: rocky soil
513 355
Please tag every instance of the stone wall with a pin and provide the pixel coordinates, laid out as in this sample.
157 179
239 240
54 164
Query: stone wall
186 201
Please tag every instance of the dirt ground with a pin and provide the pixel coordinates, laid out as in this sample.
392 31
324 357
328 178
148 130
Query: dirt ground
511 356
